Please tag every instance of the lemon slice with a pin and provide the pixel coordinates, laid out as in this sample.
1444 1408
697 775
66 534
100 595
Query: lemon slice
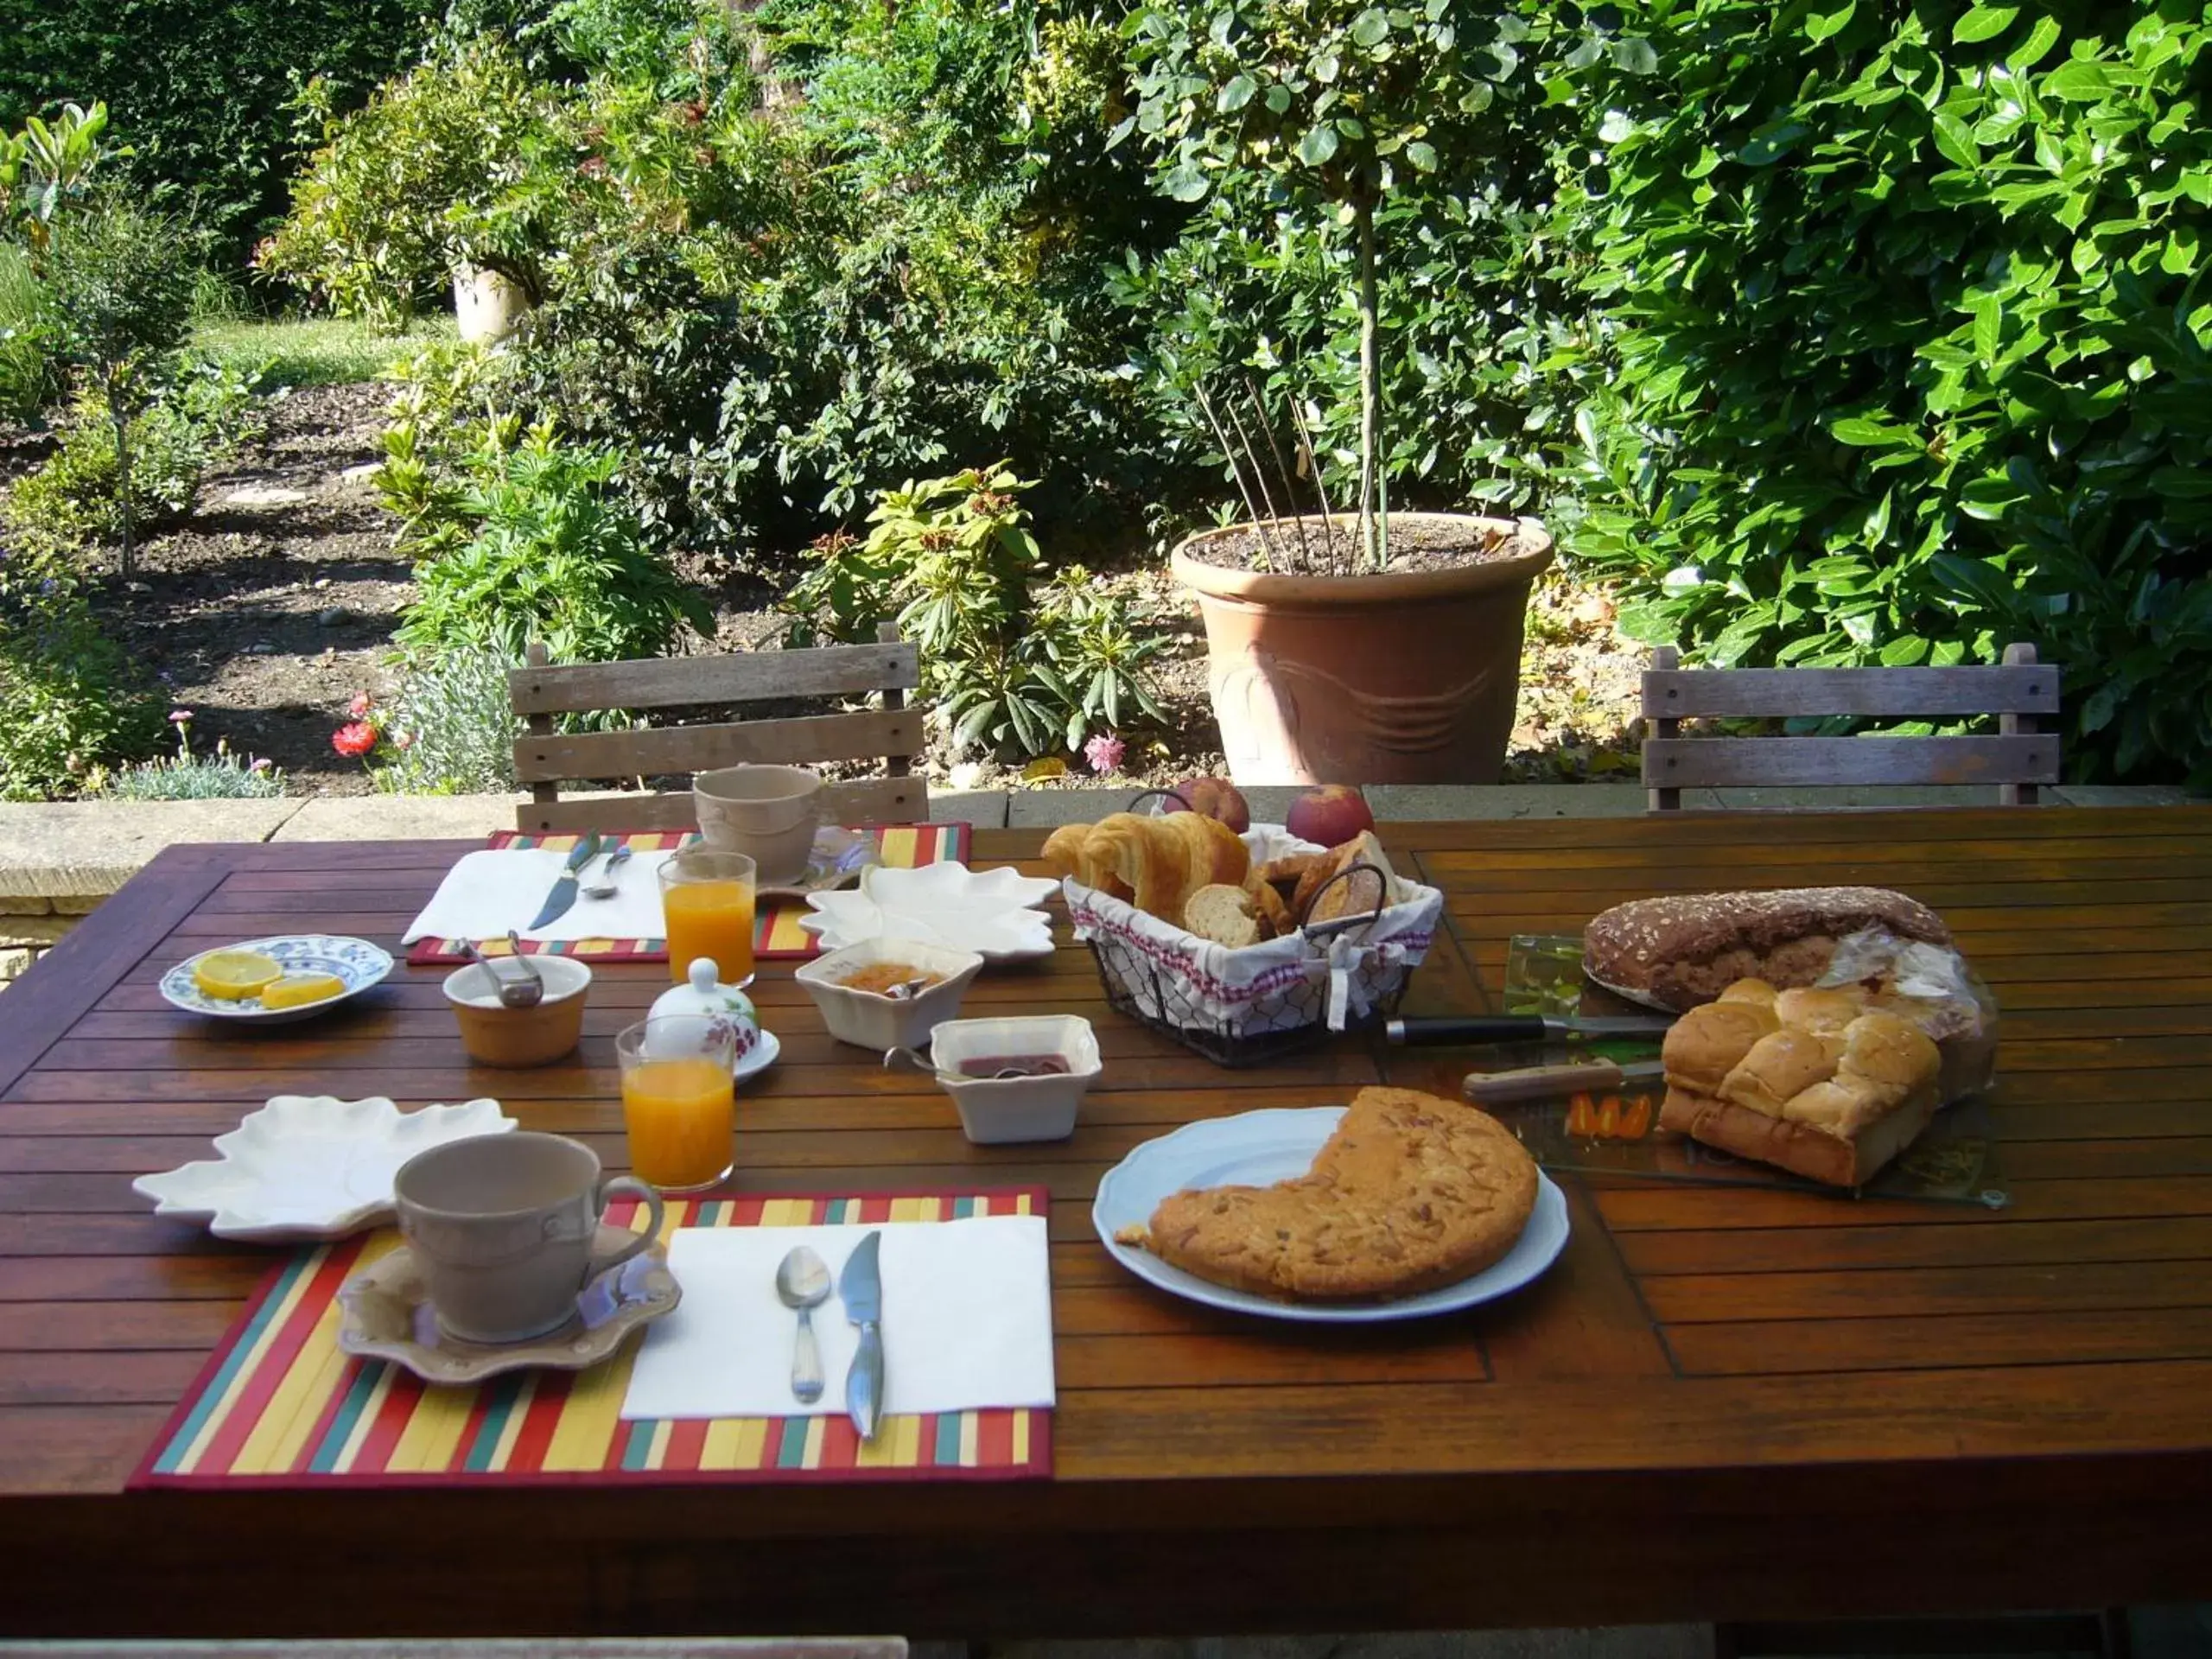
296 990
233 975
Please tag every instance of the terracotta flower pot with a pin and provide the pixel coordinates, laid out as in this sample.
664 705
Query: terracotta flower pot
1401 679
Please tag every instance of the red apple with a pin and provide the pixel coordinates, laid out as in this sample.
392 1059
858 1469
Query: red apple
1215 797
1329 816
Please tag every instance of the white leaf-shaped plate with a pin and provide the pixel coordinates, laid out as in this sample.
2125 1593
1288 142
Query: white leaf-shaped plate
355 963
311 1165
1276 1143
989 912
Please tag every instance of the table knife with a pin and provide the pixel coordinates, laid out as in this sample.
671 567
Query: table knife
1548 1082
564 889
859 1286
1522 1028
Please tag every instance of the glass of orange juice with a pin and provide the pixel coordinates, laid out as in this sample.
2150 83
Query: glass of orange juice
707 897
678 1100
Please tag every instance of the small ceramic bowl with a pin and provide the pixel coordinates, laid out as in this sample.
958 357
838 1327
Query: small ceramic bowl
1040 1107
496 1035
870 1021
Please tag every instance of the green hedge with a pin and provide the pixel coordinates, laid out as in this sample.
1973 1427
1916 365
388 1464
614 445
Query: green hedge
1910 325
199 90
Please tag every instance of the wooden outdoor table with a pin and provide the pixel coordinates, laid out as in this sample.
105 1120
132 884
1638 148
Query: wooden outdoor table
1719 1403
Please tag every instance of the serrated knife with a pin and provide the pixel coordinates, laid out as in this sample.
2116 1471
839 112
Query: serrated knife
859 1286
564 888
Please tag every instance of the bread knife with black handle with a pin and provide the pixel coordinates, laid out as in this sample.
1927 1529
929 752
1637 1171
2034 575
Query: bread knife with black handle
1550 1081
1522 1028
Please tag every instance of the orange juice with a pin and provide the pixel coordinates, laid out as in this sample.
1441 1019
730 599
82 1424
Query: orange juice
680 1114
710 918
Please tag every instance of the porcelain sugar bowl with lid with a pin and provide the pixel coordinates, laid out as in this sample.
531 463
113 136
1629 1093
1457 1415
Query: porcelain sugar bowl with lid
701 994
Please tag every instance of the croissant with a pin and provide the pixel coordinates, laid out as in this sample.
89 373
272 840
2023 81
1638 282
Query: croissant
1161 862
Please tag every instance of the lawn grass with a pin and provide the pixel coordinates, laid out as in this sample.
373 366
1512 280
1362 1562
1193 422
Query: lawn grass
317 352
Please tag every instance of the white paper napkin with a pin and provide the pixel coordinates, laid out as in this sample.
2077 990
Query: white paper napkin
491 891
967 1321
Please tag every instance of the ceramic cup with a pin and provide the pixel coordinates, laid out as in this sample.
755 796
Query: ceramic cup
503 1226
768 813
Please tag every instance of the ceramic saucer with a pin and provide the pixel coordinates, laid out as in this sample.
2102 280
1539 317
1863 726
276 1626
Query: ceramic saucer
757 1058
836 860
388 1316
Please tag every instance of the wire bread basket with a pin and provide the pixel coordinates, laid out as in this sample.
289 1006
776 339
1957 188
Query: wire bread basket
1245 1006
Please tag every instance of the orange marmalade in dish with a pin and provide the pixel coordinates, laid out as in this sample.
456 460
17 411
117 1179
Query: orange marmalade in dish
879 976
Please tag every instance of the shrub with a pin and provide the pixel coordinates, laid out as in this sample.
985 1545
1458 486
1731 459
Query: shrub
185 776
75 498
26 376
435 171
115 302
1004 666
538 547
450 729
1912 350
68 699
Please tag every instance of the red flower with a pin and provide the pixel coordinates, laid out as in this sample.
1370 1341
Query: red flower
356 738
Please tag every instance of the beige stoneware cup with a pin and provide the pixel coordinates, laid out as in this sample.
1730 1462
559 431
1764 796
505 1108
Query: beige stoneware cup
768 813
505 1227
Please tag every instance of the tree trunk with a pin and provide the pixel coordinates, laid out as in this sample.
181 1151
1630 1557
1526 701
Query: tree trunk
116 417
1371 389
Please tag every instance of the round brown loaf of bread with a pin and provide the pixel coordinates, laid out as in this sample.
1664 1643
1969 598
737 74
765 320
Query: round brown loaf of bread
1685 949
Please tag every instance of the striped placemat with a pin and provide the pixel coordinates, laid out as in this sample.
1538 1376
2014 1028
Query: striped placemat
279 1405
776 932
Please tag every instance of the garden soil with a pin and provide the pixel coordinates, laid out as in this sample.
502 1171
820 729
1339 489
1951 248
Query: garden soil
269 608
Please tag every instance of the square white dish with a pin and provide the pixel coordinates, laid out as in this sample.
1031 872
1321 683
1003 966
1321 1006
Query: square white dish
868 1019
997 1110
308 1167
991 913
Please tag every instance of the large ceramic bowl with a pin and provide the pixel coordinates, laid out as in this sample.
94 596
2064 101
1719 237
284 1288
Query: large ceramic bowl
494 1035
870 1021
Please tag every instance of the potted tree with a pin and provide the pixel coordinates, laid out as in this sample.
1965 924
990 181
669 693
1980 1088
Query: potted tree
1353 647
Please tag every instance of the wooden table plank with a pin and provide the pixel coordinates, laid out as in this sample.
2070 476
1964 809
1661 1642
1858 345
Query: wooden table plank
1800 1369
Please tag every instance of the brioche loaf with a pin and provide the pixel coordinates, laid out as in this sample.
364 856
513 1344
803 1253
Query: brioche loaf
1684 948
1826 1096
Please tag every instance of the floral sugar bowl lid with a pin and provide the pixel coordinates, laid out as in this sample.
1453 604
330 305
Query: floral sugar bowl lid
723 1004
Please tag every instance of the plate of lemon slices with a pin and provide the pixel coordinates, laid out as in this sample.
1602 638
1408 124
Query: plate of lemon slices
271 981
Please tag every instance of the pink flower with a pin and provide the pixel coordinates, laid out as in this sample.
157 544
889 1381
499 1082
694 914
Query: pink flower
179 716
262 764
360 706
1104 753
405 740
356 738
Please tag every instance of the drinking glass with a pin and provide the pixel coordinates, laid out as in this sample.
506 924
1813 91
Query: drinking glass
707 899
679 1101
1543 974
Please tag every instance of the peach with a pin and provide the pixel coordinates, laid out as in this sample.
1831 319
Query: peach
1330 815
1215 797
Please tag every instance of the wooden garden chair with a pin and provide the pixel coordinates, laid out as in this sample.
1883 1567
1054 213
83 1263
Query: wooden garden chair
546 757
2017 760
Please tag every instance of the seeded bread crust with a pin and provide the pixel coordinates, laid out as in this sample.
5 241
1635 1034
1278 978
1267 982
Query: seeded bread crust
1685 949
1409 1193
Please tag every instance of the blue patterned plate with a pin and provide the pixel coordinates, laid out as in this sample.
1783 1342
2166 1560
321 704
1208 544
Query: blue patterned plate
356 962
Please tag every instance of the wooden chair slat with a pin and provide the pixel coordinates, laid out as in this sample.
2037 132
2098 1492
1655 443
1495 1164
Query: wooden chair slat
742 677
1900 693
668 749
1690 763
865 800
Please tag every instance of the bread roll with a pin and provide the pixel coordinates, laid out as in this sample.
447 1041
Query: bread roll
1750 990
1706 1043
1683 949
1781 1063
1825 1011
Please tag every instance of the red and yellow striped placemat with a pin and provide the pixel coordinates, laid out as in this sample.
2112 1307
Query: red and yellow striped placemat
776 932
278 1405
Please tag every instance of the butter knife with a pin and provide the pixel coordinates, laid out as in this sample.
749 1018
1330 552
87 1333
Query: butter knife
564 889
859 1286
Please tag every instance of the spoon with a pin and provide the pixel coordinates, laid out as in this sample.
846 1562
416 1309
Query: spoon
512 993
604 887
536 986
801 1283
906 1056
